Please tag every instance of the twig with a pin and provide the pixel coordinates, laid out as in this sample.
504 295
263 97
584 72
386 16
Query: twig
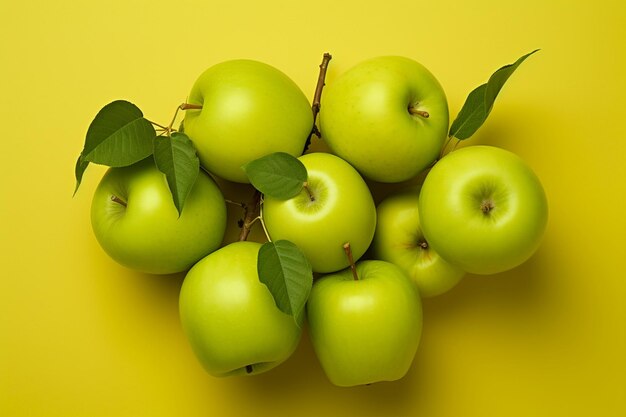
317 97
250 215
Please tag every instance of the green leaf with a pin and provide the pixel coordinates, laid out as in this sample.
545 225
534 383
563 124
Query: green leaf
278 175
472 115
176 157
118 136
79 170
287 273
497 80
480 101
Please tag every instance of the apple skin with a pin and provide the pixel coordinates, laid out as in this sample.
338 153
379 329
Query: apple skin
148 235
343 211
399 240
365 118
483 209
231 318
250 109
368 330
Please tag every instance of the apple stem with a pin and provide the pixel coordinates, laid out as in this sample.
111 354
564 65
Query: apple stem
445 145
118 200
248 369
417 112
189 106
250 214
348 250
169 129
456 144
317 97
423 244
308 190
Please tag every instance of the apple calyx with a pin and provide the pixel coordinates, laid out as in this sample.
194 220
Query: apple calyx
422 244
417 112
249 369
118 200
348 250
486 206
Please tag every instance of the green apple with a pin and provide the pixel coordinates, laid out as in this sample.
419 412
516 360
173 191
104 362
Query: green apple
399 240
231 318
387 116
336 207
135 221
483 209
365 330
249 109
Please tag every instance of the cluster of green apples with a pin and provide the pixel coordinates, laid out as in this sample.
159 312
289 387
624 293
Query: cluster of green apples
480 210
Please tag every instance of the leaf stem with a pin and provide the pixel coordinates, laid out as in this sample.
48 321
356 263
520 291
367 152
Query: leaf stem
169 128
250 215
446 144
348 250
455 145
260 219
157 125
317 98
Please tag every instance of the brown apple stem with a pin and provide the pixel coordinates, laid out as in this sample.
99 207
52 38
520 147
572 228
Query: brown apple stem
317 98
308 190
118 200
250 214
348 250
248 369
417 112
189 106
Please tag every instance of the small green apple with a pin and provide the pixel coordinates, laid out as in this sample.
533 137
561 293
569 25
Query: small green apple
231 318
335 207
365 330
387 116
399 240
135 221
249 109
483 209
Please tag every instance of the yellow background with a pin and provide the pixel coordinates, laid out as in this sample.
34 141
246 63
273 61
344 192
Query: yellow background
82 336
